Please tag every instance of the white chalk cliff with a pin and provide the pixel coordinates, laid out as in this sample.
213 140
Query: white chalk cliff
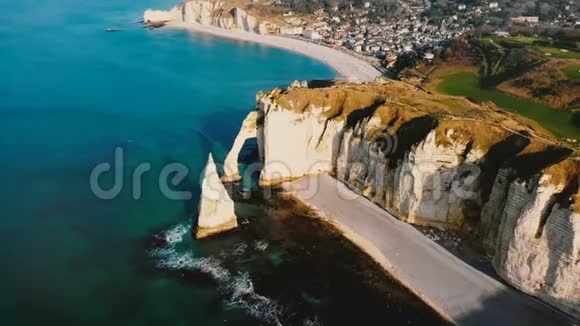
216 208
405 150
207 12
536 235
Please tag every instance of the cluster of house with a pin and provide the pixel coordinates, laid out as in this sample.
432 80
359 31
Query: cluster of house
387 38
381 38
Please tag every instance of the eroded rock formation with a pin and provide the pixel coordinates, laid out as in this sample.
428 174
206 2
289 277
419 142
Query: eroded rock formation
208 12
216 208
248 131
439 160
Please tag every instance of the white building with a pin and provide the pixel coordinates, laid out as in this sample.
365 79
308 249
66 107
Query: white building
291 30
312 35
500 33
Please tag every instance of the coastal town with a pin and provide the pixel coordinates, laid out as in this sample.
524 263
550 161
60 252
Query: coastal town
385 38
380 31
419 26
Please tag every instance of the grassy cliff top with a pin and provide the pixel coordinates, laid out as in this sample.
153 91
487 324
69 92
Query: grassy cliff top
397 102
459 121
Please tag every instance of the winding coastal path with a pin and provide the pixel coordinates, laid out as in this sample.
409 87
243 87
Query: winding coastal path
456 290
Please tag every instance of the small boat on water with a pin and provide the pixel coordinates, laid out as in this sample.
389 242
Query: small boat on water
111 30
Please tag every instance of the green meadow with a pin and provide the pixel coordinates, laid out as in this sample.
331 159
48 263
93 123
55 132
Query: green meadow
572 72
559 122
532 44
555 52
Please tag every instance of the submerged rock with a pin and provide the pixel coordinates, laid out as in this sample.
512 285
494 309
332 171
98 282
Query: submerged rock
216 208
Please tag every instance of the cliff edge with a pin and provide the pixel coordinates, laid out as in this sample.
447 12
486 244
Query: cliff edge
207 12
438 160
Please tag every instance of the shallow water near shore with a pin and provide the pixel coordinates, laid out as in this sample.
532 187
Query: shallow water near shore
285 268
71 94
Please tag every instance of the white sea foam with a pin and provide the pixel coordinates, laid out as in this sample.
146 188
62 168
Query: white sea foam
169 258
243 296
261 245
238 288
238 250
161 253
176 234
312 322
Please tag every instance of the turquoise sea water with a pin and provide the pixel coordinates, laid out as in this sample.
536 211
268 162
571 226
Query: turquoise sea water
69 95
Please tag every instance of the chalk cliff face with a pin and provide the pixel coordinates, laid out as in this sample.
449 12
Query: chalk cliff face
439 160
208 12
536 233
216 208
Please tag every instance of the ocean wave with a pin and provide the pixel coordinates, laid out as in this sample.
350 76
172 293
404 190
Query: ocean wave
312 322
238 289
237 250
243 295
169 258
175 235
261 245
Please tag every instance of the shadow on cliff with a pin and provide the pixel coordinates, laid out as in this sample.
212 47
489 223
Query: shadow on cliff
353 122
525 167
321 83
408 135
476 180
497 155
375 161
394 146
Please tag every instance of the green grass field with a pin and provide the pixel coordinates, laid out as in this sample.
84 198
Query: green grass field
572 72
467 84
555 52
543 51
522 39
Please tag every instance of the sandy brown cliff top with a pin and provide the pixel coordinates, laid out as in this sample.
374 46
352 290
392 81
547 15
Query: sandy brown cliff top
458 119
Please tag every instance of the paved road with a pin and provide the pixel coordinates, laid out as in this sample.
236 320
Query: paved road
455 289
